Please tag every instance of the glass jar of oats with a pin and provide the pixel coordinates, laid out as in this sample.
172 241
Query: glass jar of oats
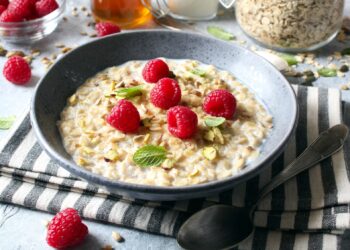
290 25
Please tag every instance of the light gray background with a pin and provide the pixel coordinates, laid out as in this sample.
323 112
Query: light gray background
21 228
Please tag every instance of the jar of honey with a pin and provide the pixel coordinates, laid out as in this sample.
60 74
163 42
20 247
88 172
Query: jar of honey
127 14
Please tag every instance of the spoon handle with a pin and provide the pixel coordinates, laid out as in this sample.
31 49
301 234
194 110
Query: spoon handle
328 142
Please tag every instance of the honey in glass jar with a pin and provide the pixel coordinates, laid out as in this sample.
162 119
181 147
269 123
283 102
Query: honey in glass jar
125 13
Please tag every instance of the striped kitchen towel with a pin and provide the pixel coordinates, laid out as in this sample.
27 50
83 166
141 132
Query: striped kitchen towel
310 211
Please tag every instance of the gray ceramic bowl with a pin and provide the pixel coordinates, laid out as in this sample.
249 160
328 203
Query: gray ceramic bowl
71 71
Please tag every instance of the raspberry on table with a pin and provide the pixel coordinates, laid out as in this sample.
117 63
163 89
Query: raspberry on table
220 103
166 93
45 7
66 229
155 70
124 116
17 70
182 122
106 28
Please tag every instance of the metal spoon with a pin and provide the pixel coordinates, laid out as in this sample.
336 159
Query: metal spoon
222 226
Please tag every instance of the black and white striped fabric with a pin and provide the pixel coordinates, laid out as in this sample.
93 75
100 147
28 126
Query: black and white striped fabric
311 211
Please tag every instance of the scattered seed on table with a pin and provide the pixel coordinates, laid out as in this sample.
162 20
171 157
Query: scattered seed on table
53 56
29 59
35 52
341 37
45 223
344 68
117 237
60 45
3 51
107 247
344 87
15 53
65 50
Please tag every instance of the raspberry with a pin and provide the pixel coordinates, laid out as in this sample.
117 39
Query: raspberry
45 7
10 16
182 122
220 103
166 93
155 70
66 229
106 28
2 9
4 3
17 70
124 117
22 8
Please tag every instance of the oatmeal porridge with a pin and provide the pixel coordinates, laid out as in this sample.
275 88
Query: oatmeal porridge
216 148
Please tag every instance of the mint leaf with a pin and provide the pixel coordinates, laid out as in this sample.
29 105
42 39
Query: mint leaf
346 52
6 122
327 72
199 72
220 33
127 93
214 121
290 59
149 155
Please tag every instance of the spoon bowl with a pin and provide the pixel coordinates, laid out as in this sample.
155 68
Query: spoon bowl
212 228
221 227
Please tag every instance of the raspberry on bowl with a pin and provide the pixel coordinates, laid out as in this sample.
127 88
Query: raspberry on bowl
182 122
66 229
166 93
220 103
106 28
125 117
155 70
17 70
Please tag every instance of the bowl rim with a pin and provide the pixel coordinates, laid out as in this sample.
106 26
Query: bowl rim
25 24
100 180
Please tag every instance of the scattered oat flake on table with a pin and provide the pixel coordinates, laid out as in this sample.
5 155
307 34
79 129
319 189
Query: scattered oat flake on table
344 87
107 247
117 237
45 223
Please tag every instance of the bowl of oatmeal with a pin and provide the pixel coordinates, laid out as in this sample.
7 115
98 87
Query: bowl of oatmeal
189 116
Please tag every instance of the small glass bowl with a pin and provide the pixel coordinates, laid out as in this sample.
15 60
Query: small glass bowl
30 31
